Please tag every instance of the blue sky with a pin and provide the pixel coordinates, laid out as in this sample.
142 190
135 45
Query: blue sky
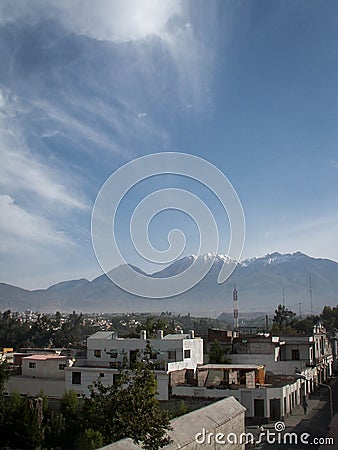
248 85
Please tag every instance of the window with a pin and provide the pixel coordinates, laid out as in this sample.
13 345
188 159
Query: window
101 375
113 354
97 353
116 378
172 355
295 354
62 366
186 353
76 378
31 365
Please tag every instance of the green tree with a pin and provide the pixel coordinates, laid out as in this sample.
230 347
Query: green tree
69 411
54 431
3 378
129 408
89 440
218 354
329 317
283 320
23 418
181 410
152 324
305 326
4 375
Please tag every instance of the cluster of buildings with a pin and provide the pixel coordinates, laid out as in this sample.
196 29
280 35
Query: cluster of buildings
268 375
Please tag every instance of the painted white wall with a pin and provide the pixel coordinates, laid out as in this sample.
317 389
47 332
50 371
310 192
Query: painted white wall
110 345
91 374
48 368
247 396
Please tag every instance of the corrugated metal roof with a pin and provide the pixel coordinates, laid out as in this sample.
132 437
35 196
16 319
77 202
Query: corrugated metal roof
185 428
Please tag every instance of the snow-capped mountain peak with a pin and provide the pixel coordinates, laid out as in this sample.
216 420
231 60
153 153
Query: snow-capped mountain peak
274 259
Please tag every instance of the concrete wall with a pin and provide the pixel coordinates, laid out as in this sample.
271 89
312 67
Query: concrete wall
304 349
91 374
44 368
88 376
254 346
247 396
32 386
278 368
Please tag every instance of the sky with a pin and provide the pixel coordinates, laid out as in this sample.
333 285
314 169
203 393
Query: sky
86 87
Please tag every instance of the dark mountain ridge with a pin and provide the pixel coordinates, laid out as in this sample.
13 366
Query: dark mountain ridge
260 283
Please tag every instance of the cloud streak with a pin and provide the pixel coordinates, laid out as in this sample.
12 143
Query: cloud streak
21 171
22 227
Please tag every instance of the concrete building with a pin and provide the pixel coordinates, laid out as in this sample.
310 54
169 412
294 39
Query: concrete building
285 355
40 372
334 345
230 376
45 366
263 401
173 357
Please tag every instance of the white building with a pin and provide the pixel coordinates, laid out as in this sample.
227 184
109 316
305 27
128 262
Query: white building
40 372
174 356
284 355
45 366
263 401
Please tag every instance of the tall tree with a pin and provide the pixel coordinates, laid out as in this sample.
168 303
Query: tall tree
283 317
218 354
129 408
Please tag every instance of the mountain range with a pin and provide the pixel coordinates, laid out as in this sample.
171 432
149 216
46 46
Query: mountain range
261 282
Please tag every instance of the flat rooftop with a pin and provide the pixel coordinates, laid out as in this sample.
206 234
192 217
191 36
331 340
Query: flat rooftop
230 366
44 357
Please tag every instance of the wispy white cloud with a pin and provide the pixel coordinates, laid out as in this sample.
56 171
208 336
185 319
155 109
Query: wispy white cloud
20 228
34 253
169 22
117 20
77 112
21 171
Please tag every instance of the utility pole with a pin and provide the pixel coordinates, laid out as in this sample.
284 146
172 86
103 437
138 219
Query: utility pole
300 309
283 297
310 287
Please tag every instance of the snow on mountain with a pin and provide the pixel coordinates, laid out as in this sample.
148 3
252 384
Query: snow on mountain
260 283
274 259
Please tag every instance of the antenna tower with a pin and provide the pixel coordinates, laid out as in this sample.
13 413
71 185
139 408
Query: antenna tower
235 299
